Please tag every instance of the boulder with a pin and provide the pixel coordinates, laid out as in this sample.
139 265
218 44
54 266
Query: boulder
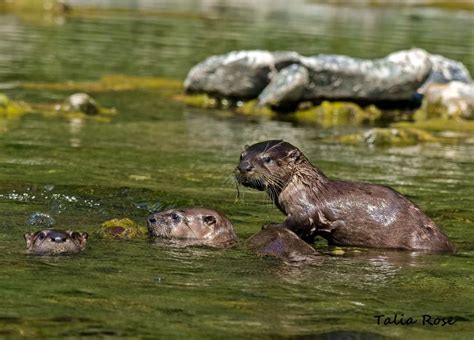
239 75
452 100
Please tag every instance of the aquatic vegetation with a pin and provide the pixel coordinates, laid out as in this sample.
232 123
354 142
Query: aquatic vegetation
330 114
10 109
327 114
107 83
440 125
388 136
202 101
123 229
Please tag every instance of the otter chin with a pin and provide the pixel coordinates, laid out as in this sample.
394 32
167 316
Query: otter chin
192 226
55 242
343 212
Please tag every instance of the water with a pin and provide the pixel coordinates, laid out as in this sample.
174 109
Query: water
158 153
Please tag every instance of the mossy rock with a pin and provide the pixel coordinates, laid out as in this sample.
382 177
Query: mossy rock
10 109
328 114
331 114
122 229
389 136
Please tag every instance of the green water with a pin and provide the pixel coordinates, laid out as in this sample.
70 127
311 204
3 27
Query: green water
158 153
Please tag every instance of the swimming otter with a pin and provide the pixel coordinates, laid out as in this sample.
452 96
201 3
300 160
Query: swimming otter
192 226
344 213
281 243
55 242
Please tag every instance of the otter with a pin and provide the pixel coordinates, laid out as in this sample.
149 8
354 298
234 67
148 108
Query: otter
55 242
192 226
281 243
343 212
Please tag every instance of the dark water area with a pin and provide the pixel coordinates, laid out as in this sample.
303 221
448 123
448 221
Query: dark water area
158 153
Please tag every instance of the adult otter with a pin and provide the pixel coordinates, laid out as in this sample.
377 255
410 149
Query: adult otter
345 213
193 226
55 242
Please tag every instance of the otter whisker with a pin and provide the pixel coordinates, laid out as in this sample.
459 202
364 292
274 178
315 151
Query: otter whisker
189 227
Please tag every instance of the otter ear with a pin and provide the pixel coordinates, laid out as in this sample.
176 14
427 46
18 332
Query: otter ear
294 155
29 239
80 237
209 220
246 147
84 237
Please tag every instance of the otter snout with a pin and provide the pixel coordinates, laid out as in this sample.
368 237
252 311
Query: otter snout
156 225
58 239
55 242
245 167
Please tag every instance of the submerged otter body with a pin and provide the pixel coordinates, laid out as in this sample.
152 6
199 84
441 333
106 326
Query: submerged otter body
281 243
192 226
343 212
55 242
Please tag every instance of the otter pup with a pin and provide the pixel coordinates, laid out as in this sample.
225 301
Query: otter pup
281 243
193 226
343 212
55 242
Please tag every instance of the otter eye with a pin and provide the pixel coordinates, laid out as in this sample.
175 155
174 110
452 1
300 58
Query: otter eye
174 216
41 236
266 159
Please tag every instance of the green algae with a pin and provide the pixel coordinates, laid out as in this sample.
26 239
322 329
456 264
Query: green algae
248 108
122 229
116 82
10 109
388 136
201 101
327 114
331 114
440 125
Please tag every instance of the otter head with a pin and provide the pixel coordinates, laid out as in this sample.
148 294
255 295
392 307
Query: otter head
55 242
267 165
194 226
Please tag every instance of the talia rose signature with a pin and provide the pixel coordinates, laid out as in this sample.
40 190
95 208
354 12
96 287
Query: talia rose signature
425 320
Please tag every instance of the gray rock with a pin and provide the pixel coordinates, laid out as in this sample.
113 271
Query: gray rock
237 75
285 78
82 102
456 98
287 86
445 70
394 78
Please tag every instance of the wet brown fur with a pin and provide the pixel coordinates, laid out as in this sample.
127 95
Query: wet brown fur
343 212
55 242
192 226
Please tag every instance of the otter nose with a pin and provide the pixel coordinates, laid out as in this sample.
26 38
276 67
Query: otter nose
245 167
58 239
152 220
